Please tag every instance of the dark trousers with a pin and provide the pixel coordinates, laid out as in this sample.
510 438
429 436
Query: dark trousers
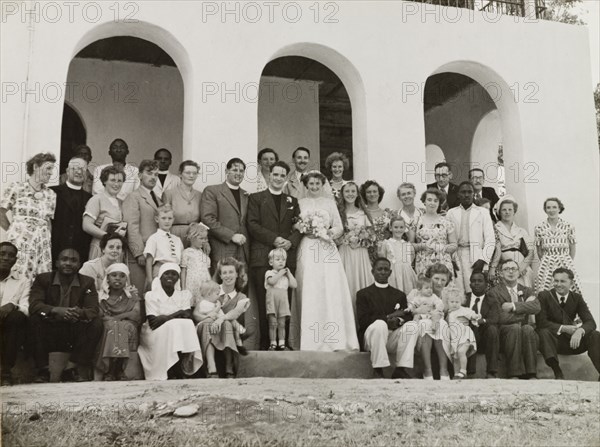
258 276
488 342
13 329
551 345
519 343
79 338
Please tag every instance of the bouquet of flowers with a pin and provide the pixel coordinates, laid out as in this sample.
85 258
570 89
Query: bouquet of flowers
359 236
314 224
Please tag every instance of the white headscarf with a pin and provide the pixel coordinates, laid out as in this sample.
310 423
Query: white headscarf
156 285
104 292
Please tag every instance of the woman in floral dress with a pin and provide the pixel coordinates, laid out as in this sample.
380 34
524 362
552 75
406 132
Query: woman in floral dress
32 205
372 195
435 237
555 242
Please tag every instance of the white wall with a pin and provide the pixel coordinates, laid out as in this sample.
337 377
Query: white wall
484 149
137 102
541 69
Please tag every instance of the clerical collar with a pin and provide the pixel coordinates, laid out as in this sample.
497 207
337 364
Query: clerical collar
72 186
275 193
381 286
230 186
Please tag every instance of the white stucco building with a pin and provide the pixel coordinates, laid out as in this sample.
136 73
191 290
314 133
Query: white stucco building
536 72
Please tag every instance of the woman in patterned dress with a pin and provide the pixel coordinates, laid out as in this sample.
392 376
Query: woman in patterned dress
434 238
372 195
32 205
555 243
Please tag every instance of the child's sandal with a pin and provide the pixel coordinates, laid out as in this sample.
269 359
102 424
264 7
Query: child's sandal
459 375
273 347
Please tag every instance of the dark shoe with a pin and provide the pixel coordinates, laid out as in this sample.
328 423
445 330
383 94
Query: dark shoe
71 375
246 335
272 347
491 375
242 350
6 379
558 374
378 373
289 348
42 376
230 375
282 348
400 373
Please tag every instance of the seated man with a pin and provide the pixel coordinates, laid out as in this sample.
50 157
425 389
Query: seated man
381 311
557 325
64 317
518 340
14 308
486 333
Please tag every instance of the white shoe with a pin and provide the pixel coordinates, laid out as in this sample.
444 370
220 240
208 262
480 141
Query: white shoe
428 378
444 377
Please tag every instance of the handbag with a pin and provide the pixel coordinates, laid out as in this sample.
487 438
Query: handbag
523 248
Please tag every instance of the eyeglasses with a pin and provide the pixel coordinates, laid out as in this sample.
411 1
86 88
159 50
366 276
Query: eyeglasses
510 269
442 175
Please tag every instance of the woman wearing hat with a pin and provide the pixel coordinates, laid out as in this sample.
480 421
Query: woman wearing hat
169 346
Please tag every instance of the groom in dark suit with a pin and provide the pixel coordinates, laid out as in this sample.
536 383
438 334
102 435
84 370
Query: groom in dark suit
558 329
271 217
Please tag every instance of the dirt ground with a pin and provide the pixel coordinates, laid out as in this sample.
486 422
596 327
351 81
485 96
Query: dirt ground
315 412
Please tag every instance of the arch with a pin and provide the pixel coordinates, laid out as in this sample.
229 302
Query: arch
510 122
73 133
165 40
354 85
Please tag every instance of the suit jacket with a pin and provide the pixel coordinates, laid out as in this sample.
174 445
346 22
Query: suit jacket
481 232
138 211
490 194
265 224
171 180
219 211
45 295
67 229
296 188
552 316
523 308
489 308
451 198
375 303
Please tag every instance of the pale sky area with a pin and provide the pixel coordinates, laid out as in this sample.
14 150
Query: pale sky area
590 14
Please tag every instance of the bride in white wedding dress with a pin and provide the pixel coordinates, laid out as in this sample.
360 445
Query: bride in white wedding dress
322 307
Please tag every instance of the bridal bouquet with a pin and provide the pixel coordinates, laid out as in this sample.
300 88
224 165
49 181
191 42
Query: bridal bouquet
359 236
314 224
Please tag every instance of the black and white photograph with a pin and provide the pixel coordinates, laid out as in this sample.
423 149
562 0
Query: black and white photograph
300 223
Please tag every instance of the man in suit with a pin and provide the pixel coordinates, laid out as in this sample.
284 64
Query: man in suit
559 331
14 308
64 317
82 151
118 151
223 210
271 216
384 325
71 198
475 234
166 180
483 192
294 186
139 209
518 340
486 333
443 175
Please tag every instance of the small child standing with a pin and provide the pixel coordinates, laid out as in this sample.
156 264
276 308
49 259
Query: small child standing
462 337
423 304
208 306
401 255
162 246
195 262
277 282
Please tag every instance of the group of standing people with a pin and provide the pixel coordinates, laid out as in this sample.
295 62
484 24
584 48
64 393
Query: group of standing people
146 230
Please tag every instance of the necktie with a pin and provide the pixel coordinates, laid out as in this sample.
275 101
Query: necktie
562 301
154 198
475 305
513 296
172 246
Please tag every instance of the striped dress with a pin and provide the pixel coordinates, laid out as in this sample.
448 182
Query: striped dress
554 244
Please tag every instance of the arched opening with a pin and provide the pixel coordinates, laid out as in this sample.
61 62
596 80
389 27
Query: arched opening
72 134
471 114
304 103
130 88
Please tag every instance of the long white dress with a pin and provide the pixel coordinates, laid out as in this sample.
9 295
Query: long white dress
323 300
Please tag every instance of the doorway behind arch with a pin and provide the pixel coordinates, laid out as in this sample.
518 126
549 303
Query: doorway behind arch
130 88
72 134
462 127
304 103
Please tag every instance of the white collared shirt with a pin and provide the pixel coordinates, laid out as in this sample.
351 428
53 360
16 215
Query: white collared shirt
478 305
164 247
15 290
